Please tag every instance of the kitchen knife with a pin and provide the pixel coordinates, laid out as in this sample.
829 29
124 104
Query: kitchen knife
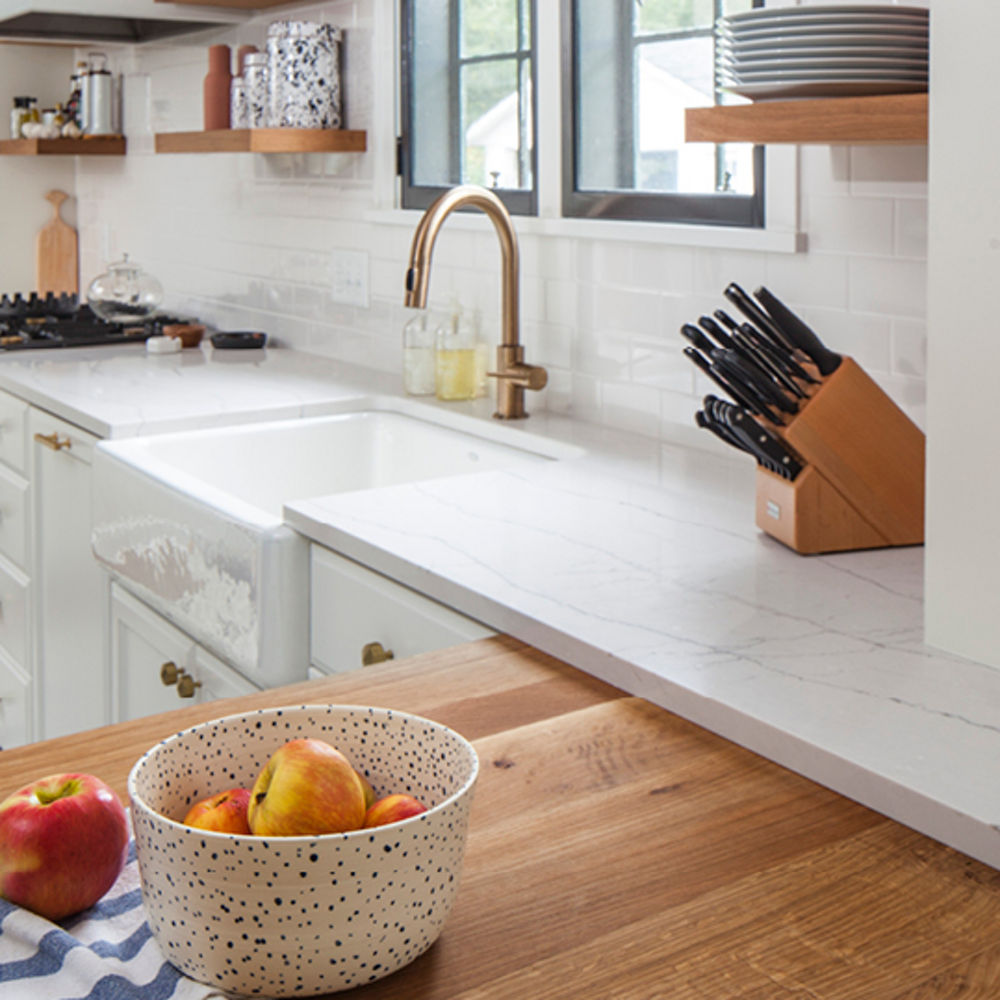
769 449
715 331
692 333
779 355
725 319
738 392
721 431
734 367
755 314
767 364
800 335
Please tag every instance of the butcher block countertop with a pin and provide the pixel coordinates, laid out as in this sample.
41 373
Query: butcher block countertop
617 850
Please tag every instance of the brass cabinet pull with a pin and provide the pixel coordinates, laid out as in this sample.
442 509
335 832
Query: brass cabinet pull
169 673
186 685
53 441
374 652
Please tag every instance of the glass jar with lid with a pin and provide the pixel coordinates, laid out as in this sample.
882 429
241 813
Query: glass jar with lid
125 293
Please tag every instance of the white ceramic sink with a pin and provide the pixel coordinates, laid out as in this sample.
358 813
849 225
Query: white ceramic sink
191 522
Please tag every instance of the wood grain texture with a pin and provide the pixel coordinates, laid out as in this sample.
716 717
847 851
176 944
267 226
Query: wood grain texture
879 120
97 145
264 140
57 253
617 851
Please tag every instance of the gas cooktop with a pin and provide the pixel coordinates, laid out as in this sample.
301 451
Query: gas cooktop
62 321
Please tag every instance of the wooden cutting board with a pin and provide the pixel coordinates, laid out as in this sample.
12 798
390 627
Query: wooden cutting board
58 265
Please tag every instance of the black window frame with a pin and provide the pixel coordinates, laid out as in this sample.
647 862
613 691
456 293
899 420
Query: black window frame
719 209
420 196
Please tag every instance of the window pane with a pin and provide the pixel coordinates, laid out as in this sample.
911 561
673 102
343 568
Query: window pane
491 123
488 27
669 15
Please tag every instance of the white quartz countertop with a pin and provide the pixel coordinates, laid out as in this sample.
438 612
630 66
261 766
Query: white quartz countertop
639 563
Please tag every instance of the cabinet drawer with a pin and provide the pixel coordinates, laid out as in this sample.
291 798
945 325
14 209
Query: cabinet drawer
352 606
14 613
13 430
14 518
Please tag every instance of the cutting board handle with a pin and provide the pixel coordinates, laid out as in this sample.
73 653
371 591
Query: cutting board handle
57 198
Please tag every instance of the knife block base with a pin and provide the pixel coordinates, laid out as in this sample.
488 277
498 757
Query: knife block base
863 484
810 516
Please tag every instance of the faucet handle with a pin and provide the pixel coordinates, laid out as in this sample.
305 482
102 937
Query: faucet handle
524 375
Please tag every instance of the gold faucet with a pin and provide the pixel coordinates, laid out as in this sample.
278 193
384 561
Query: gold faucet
513 375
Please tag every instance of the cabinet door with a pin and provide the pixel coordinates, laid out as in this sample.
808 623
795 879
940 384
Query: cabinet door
70 589
353 606
156 667
15 705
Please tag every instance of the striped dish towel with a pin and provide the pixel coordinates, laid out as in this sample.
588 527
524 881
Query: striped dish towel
105 953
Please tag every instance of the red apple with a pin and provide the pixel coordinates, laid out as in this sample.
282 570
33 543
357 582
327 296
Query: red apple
369 791
393 808
63 841
222 813
306 788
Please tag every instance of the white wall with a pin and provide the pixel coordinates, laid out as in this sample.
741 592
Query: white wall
963 538
252 241
41 71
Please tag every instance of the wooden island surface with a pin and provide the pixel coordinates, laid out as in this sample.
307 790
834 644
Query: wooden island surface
618 852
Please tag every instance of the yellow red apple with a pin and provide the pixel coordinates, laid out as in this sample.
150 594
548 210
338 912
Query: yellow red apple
393 808
369 791
63 843
306 788
222 813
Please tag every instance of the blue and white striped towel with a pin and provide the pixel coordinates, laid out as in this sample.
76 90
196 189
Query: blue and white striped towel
105 953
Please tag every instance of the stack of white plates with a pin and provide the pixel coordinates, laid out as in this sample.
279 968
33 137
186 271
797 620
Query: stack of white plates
823 51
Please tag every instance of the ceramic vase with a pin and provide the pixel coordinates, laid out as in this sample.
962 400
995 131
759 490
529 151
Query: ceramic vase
217 87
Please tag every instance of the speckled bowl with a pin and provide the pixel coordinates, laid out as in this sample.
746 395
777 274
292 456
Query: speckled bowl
300 916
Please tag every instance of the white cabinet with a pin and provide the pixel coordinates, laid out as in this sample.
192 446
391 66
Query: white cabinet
16 716
352 608
70 591
155 666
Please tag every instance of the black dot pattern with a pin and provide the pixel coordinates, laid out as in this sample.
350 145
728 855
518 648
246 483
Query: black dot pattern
301 916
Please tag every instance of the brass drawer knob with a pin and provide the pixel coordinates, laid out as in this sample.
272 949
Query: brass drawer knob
169 673
374 652
187 685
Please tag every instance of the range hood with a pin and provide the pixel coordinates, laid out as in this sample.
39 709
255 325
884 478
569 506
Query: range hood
126 21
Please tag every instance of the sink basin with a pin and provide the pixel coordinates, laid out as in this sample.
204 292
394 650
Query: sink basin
191 522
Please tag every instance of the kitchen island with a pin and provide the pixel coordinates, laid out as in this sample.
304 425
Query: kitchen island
638 563
616 850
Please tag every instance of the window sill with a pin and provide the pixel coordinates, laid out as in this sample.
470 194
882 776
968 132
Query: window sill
665 234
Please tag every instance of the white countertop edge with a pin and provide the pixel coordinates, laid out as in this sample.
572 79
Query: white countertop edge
861 782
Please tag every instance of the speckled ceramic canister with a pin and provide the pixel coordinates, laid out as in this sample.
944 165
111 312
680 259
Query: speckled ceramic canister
303 59
238 103
255 73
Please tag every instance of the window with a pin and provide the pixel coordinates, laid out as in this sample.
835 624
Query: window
468 92
630 70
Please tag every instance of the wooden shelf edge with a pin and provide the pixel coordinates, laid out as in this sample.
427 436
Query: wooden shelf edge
103 145
880 120
264 140
237 4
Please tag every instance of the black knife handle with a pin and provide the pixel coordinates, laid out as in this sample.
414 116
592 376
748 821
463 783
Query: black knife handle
734 367
755 314
767 363
715 332
777 354
798 333
740 395
692 333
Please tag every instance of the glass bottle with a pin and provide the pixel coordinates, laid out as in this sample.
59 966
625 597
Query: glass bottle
418 355
455 375
18 116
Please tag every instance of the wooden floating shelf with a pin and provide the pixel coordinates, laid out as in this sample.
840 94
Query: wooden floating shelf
99 145
882 120
263 140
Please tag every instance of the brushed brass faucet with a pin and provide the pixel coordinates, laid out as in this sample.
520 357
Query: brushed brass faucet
513 375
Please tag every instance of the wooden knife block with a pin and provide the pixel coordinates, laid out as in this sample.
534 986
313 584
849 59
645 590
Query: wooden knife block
863 487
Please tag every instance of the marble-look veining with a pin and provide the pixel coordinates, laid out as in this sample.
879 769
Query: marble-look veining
639 563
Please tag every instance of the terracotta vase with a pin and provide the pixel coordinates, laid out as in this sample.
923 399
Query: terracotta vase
217 85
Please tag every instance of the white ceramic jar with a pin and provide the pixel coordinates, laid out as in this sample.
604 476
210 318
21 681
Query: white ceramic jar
303 59
255 75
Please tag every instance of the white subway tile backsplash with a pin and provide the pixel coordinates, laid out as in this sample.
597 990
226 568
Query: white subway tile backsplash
252 242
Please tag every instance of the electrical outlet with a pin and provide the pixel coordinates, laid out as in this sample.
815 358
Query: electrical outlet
349 277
